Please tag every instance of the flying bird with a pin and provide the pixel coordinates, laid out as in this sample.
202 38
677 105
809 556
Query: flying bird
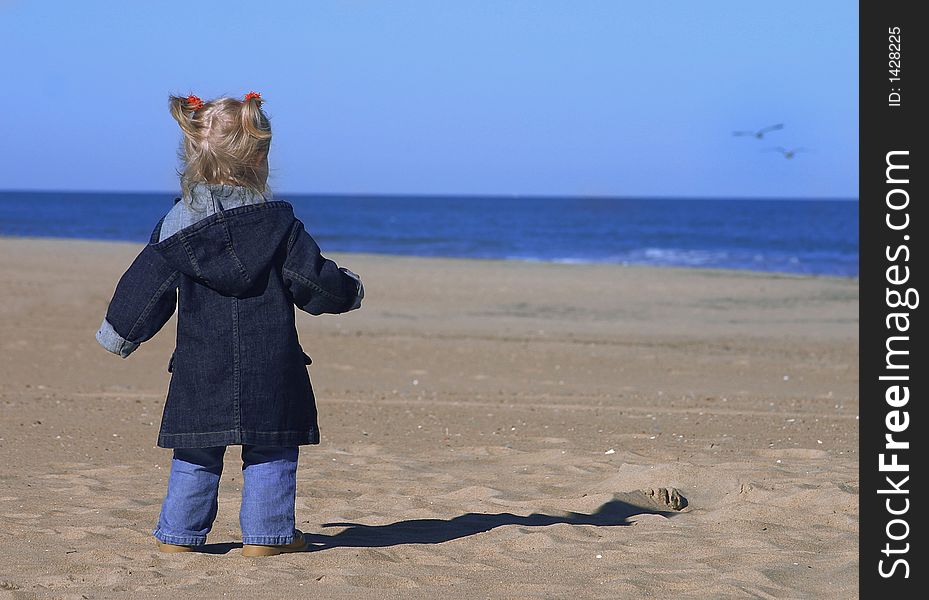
760 133
788 154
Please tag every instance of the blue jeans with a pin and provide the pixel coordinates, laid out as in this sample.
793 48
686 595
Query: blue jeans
268 495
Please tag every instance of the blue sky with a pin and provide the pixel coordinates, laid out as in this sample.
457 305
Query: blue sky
498 97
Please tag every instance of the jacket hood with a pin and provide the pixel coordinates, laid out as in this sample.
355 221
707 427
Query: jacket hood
226 237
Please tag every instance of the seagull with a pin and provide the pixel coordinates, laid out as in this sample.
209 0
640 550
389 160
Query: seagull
788 154
760 133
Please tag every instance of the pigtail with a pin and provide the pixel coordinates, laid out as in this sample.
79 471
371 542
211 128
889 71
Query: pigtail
183 109
254 122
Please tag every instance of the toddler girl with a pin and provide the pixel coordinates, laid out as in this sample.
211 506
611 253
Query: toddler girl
235 262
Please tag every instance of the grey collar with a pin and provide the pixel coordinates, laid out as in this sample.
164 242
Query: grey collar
218 196
207 199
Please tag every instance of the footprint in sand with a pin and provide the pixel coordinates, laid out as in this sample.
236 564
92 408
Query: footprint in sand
658 498
669 497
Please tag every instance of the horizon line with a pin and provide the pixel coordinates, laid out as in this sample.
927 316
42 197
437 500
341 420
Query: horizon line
461 195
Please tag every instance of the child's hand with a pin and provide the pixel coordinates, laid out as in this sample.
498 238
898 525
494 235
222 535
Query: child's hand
360 294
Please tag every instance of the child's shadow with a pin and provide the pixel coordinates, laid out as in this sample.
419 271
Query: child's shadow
435 531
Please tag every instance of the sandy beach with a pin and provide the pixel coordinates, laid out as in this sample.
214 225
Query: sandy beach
490 429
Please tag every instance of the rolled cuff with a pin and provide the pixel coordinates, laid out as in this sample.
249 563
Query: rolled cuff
359 292
114 342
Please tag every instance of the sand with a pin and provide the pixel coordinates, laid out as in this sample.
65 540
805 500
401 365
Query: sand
490 429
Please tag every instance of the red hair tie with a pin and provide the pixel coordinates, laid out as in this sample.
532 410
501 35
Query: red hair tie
194 103
251 95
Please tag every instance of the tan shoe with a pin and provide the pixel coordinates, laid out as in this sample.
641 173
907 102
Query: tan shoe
172 548
298 545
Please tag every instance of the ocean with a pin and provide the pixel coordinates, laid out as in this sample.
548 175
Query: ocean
790 236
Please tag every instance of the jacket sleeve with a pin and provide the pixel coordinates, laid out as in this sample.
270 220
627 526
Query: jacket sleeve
317 285
144 300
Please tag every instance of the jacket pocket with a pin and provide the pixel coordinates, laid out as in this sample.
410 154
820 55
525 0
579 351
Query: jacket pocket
171 364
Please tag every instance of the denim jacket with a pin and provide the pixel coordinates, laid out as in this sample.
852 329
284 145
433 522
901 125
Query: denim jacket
234 264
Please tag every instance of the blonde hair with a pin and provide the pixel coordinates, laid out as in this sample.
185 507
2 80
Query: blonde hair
225 141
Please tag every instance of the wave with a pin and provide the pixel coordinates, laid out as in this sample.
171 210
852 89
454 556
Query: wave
810 263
